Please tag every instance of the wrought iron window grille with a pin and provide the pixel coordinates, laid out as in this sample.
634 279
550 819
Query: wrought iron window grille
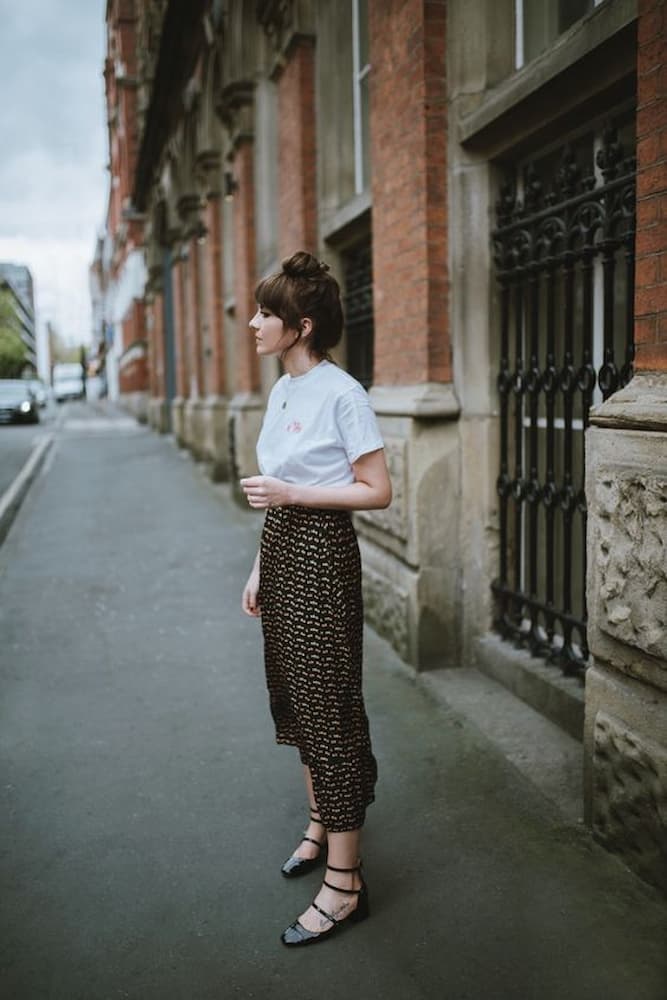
358 304
564 257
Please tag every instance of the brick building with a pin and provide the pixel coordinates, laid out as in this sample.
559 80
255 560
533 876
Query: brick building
480 175
118 272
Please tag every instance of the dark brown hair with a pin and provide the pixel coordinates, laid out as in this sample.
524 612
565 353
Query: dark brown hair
302 289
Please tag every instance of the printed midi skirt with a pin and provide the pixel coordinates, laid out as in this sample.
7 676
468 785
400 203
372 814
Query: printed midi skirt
312 619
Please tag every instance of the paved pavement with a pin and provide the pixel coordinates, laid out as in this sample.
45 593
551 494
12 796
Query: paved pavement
146 809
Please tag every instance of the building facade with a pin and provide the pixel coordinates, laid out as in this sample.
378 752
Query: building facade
487 180
118 272
16 281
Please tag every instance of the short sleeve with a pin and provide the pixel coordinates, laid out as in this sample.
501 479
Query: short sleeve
357 424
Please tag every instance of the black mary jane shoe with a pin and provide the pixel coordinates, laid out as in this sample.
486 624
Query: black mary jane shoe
297 935
295 865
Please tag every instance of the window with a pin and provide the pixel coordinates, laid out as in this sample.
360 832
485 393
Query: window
357 262
360 73
540 22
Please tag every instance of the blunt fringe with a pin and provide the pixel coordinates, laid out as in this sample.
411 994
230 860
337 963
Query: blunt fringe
304 288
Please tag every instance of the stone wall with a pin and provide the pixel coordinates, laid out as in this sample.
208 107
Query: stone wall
626 688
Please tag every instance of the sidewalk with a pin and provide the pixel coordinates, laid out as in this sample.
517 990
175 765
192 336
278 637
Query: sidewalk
147 810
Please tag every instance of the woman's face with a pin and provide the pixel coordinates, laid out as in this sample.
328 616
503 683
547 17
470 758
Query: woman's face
271 337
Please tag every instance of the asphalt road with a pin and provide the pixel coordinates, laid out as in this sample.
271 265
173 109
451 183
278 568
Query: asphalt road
146 810
18 440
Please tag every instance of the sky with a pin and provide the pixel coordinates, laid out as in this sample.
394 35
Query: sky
53 177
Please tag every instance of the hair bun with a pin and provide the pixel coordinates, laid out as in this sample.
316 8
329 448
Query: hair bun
303 265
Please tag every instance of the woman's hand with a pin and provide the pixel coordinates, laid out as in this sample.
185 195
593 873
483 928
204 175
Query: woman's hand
250 599
265 491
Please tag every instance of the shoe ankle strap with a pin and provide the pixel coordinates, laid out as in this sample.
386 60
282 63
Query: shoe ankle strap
338 888
311 840
357 868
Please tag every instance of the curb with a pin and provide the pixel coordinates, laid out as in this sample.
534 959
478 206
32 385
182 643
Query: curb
13 497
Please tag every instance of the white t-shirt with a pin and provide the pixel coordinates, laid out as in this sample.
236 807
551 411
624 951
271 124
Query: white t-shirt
315 426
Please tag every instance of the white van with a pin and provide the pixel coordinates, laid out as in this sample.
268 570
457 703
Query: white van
68 381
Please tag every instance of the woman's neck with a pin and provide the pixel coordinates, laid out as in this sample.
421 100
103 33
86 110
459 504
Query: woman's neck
299 360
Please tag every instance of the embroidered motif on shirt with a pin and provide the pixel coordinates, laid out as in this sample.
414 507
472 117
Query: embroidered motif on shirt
294 427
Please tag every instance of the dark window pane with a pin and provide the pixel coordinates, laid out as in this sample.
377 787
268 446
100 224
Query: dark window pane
359 312
363 33
545 20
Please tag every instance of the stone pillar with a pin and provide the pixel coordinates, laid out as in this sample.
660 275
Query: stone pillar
410 595
625 738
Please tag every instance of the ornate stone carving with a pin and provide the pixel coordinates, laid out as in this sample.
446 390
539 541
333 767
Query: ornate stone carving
234 107
277 17
284 21
630 797
631 558
386 608
208 171
189 210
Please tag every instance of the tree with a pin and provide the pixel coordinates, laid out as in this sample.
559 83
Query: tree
59 350
12 348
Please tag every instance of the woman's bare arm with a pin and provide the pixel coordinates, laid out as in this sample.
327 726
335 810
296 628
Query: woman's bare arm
371 489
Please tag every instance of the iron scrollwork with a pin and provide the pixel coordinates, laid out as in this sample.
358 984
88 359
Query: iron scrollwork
564 256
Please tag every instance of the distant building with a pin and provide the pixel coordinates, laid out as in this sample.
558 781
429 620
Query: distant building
118 272
16 279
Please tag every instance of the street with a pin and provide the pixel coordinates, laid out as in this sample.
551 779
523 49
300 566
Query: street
18 440
147 810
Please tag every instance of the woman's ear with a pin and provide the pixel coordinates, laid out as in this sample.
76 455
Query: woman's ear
306 326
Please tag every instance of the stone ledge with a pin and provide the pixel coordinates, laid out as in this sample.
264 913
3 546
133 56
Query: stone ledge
429 400
246 401
344 216
641 405
544 688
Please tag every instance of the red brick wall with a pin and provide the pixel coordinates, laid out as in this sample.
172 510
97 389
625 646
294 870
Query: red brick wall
193 320
409 188
121 96
133 373
651 267
155 325
296 145
247 369
179 330
133 377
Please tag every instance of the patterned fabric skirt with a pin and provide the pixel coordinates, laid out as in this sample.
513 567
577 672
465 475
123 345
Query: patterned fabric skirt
312 618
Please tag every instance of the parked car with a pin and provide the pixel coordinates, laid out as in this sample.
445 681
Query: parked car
17 402
68 382
39 391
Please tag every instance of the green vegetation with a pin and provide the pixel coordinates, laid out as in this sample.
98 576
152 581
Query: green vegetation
59 350
12 348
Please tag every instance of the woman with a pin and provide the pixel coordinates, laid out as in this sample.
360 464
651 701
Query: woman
321 456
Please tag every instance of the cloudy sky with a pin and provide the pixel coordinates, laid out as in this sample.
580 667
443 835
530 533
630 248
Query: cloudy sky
53 181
